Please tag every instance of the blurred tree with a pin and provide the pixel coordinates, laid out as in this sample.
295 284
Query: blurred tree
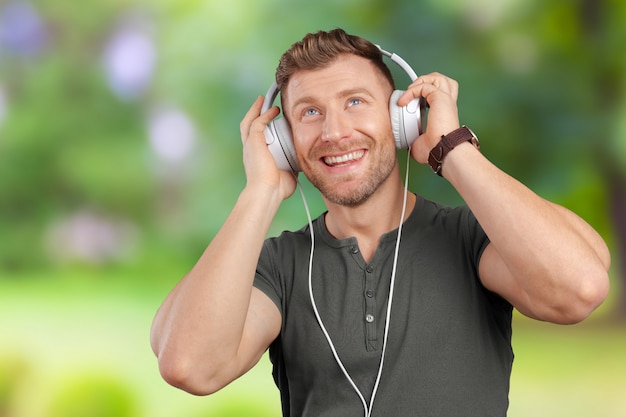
86 131
604 27
67 142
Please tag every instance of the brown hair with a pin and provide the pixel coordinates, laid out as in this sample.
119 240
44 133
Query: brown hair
316 50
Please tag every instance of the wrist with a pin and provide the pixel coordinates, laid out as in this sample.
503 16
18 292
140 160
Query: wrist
447 143
263 195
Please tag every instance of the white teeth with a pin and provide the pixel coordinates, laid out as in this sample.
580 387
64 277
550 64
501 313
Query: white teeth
336 160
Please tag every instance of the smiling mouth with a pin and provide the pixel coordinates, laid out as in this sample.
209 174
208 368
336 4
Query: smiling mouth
343 159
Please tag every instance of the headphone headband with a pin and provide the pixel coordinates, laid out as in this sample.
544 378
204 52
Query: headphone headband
401 62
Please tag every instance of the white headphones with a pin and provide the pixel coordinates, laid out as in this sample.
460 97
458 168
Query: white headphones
406 122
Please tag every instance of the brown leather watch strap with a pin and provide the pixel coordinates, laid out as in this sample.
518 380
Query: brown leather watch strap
449 142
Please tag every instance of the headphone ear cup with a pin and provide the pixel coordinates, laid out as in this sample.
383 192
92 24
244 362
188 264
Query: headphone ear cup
395 112
406 121
280 145
278 136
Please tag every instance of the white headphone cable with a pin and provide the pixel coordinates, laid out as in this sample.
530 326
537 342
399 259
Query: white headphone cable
367 409
314 305
392 283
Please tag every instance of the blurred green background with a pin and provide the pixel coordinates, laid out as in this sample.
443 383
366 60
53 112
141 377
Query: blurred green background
120 158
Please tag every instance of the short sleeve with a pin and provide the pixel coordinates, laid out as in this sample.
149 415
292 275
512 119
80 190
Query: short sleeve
267 276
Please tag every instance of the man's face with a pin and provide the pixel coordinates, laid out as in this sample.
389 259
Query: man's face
339 117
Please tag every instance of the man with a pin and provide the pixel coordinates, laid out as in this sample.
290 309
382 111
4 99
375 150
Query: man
444 350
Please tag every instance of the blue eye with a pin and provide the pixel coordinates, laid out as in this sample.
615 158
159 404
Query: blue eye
354 101
310 112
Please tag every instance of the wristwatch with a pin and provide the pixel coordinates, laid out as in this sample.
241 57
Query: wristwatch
449 142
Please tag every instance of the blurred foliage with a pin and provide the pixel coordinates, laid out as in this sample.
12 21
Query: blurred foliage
541 82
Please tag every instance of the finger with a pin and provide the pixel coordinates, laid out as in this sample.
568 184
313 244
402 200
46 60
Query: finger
250 116
258 125
441 82
416 90
429 90
254 116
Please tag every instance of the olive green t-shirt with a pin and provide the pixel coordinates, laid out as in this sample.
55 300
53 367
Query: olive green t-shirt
449 347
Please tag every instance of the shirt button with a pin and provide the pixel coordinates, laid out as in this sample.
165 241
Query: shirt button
369 293
369 318
354 250
369 269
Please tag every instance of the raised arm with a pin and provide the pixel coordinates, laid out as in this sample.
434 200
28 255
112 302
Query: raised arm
543 258
214 325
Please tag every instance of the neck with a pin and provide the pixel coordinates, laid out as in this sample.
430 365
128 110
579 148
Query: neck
367 222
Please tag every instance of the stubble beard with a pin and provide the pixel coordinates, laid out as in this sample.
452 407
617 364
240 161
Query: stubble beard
362 190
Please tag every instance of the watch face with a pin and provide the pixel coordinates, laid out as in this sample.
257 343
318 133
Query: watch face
474 140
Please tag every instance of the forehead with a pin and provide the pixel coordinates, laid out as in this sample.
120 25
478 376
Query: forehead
345 72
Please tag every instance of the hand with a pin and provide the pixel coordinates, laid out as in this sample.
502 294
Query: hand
261 170
441 94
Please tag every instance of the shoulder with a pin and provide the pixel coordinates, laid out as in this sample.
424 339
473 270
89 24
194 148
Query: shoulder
282 259
288 242
455 220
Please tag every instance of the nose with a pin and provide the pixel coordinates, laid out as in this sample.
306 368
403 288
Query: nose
336 126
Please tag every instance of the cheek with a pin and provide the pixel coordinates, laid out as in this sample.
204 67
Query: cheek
304 136
376 125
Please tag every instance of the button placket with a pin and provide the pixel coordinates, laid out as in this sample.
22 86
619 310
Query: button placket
370 309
